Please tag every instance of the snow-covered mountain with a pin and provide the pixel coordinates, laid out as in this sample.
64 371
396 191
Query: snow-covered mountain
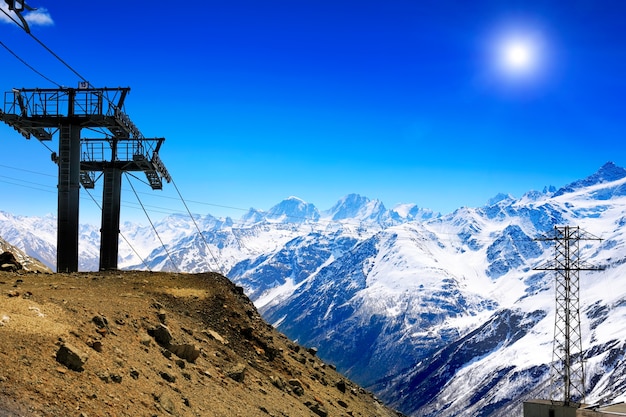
439 315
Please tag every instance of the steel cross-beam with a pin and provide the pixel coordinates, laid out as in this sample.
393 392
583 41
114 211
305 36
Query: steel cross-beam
41 113
567 371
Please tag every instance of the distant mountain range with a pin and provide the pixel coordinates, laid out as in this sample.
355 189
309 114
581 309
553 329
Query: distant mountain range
440 315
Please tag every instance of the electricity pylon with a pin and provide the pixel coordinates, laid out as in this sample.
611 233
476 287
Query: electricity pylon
567 370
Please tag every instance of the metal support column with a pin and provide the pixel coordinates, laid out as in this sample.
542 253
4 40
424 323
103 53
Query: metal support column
41 113
110 226
68 198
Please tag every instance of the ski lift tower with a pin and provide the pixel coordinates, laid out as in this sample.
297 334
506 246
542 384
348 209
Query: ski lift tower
41 113
567 373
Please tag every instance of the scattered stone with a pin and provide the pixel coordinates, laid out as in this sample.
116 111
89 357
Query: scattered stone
187 352
312 351
237 372
161 334
72 357
278 382
317 408
297 387
167 404
95 345
100 321
134 374
215 336
162 316
168 377
342 403
8 262
13 293
116 378
145 340
341 386
104 377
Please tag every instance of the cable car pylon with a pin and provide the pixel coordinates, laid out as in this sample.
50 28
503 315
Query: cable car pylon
42 113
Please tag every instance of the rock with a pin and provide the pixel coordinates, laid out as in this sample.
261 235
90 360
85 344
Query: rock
161 334
278 382
145 340
168 377
341 386
134 374
317 408
162 316
187 352
104 377
71 357
8 262
215 336
312 351
237 372
95 345
297 387
167 404
100 321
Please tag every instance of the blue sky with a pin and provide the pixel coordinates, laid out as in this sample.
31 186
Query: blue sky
402 101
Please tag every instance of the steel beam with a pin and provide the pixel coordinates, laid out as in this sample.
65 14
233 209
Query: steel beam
109 231
68 198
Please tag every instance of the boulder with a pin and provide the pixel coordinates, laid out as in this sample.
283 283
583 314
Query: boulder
8 262
72 357
237 372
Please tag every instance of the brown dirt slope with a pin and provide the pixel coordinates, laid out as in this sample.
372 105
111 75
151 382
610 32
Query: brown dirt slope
156 344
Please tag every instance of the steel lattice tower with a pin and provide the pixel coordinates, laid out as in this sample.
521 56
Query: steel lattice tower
567 370
42 113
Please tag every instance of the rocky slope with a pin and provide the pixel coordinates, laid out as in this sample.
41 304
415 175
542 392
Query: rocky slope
156 344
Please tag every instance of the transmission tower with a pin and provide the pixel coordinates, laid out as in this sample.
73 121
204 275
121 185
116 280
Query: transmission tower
567 371
41 113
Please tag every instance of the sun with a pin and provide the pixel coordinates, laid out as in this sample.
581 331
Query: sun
519 55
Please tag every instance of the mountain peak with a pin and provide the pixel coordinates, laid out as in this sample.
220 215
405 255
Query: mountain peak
293 210
357 207
607 173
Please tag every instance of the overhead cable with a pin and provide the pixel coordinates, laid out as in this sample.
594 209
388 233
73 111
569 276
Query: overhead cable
27 64
121 234
152 224
198 229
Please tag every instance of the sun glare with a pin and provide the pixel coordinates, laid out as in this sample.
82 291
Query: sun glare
518 55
